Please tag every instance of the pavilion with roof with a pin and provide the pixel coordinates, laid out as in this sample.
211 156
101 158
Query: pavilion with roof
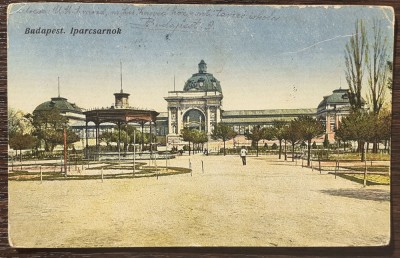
120 114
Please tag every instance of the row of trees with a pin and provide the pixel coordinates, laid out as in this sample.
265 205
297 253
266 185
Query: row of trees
195 137
32 131
301 129
364 128
369 73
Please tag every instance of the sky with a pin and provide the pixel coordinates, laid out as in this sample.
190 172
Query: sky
266 57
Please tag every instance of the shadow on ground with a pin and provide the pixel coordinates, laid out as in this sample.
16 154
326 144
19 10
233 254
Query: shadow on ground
362 194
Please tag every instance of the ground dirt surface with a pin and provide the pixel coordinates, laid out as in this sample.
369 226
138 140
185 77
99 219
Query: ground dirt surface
266 203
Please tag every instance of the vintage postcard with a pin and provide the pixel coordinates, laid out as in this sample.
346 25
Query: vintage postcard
137 125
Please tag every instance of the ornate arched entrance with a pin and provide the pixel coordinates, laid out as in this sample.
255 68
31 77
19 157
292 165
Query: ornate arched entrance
194 119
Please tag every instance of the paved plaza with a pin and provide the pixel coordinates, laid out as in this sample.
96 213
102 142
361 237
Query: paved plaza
266 203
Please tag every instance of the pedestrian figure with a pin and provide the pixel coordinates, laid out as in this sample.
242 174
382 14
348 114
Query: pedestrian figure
243 153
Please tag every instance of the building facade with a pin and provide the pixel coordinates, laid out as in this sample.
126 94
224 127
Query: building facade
199 106
332 109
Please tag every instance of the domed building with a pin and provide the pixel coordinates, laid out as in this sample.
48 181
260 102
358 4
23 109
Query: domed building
198 106
331 110
202 81
67 109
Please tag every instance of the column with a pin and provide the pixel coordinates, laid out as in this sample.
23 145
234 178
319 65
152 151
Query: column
142 123
126 138
208 121
328 123
151 139
218 115
178 120
170 121
87 136
97 139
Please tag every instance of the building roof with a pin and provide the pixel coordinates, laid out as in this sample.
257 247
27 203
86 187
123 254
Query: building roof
202 81
255 120
269 112
264 116
162 115
61 104
339 96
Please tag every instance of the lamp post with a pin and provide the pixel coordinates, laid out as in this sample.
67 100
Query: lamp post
134 152
65 152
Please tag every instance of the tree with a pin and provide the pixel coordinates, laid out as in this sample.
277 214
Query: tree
135 136
378 72
72 137
358 127
278 131
343 134
385 118
309 128
355 55
187 135
255 135
292 135
326 142
377 67
389 67
314 145
49 127
108 137
199 138
19 141
223 132
17 122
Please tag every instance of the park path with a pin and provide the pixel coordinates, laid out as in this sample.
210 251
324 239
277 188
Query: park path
266 203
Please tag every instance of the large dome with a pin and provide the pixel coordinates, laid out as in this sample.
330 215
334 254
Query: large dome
202 81
61 104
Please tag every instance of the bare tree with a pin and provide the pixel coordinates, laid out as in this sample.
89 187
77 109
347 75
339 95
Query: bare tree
355 55
378 72
377 68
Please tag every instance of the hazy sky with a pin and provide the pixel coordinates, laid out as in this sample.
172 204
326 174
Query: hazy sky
264 57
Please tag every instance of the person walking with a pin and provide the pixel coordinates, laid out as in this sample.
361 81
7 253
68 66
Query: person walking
243 153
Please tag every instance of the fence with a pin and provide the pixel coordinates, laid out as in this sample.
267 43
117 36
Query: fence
340 167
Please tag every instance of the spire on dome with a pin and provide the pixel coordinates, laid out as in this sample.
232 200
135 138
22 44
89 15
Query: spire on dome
202 67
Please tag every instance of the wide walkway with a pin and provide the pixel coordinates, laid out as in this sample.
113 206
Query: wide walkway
266 203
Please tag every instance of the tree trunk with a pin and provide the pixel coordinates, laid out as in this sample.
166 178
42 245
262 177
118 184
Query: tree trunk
293 152
361 147
309 152
189 148
224 149
375 147
20 155
280 148
285 151
257 148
